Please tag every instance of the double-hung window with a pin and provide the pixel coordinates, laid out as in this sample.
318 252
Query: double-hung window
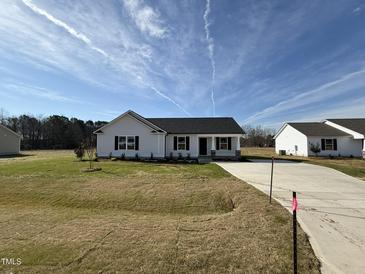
122 142
131 142
126 142
329 144
181 143
223 144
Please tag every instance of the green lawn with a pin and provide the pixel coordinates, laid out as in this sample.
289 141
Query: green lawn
351 166
139 217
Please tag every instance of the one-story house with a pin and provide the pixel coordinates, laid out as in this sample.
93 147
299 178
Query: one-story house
130 135
9 141
331 137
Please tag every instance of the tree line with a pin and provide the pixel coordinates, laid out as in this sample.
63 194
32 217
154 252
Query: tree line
60 132
52 132
258 136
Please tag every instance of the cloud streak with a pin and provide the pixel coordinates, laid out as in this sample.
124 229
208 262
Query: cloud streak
40 92
149 18
312 96
210 42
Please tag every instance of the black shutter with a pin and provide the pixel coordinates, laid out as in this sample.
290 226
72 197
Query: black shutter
323 144
116 143
136 142
334 144
187 143
175 142
217 143
229 143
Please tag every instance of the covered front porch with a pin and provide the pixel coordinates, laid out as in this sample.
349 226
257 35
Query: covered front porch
221 146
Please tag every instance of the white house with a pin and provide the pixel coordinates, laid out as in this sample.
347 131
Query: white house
334 137
132 135
9 141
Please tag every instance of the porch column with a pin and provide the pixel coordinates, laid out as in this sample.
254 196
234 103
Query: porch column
238 148
212 150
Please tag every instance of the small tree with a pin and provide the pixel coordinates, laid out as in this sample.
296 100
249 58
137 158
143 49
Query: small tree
315 148
80 152
90 151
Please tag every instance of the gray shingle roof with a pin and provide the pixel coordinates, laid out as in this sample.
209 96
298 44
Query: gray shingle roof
355 124
209 125
317 129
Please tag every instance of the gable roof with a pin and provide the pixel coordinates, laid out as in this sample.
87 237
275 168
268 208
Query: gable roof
355 124
204 125
317 129
11 131
133 115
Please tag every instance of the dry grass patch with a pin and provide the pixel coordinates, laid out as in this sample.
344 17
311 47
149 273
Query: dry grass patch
137 217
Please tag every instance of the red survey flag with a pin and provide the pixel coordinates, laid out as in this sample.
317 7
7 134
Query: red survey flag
294 204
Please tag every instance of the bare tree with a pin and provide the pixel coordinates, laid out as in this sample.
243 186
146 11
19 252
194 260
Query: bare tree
90 151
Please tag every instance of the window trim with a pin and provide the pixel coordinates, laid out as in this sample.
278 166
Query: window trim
126 142
223 143
120 143
329 144
181 143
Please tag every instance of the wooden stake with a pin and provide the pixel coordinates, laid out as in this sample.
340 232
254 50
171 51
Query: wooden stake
295 268
272 174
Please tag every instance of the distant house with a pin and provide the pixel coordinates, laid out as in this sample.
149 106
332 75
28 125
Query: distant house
9 141
334 137
130 135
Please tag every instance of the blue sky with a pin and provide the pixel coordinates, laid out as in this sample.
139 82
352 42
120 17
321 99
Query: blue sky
262 62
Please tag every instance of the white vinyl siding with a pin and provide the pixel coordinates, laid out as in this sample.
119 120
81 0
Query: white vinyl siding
149 142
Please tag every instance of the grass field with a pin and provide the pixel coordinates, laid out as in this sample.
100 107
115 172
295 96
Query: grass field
351 166
139 217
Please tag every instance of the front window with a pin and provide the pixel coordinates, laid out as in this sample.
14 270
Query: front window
223 144
181 143
329 144
131 143
122 142
126 143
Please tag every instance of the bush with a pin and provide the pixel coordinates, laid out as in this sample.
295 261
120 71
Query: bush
315 148
80 152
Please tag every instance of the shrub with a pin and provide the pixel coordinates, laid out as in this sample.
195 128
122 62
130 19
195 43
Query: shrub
122 156
80 152
315 148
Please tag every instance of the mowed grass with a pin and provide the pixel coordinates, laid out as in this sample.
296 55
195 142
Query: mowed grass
350 166
139 217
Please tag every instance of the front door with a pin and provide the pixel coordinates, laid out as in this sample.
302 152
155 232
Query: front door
203 150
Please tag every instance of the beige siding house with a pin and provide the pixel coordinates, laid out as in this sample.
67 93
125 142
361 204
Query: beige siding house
9 141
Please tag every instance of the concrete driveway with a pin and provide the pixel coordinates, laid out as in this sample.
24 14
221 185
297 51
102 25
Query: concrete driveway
331 207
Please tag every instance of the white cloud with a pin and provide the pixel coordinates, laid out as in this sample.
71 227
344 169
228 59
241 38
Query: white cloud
146 18
143 51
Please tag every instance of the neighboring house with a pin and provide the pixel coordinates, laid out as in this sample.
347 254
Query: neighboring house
9 141
131 134
334 137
